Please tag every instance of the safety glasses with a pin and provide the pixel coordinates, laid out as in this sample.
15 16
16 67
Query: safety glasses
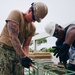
33 17
55 33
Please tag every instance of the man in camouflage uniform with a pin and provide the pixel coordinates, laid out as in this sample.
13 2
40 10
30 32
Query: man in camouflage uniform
15 39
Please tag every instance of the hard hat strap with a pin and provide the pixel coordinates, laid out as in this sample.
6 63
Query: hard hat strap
32 8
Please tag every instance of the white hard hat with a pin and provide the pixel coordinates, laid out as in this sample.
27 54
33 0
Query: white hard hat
50 28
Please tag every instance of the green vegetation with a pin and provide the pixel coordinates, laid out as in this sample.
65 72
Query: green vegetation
43 40
39 41
44 50
50 50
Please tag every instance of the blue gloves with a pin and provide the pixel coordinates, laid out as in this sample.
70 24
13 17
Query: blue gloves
26 62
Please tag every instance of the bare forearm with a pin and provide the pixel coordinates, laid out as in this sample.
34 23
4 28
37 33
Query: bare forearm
17 46
26 45
26 50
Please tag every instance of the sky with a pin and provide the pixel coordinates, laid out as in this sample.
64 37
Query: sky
59 11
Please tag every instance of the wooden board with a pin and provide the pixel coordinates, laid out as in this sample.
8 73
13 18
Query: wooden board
40 55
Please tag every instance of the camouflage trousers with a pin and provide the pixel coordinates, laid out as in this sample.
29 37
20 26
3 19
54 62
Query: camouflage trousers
9 63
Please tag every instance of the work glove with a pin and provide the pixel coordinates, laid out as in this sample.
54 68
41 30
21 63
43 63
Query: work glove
26 62
62 52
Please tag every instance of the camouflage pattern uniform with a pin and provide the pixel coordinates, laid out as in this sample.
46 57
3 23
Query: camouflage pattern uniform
9 63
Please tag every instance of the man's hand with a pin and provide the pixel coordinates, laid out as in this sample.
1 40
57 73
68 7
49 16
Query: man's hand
56 51
64 59
62 52
26 62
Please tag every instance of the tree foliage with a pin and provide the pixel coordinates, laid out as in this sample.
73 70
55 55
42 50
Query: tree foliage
39 41
43 40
